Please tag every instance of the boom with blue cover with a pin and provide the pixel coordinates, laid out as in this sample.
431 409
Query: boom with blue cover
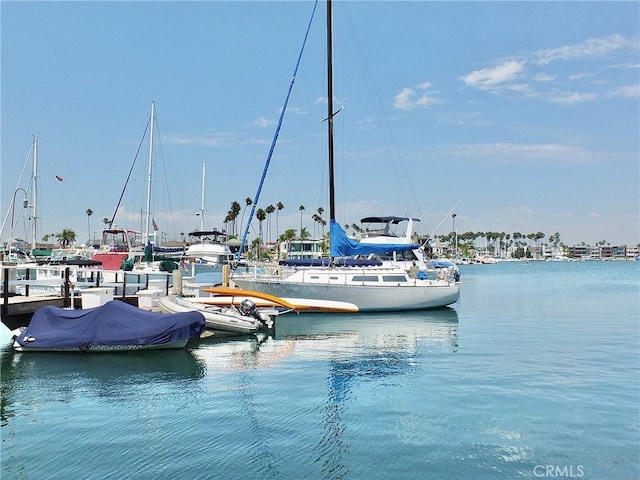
343 246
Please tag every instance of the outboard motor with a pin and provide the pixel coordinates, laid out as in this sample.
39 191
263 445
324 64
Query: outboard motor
249 309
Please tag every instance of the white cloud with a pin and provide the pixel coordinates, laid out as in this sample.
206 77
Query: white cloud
543 77
262 122
489 78
627 91
520 74
504 152
418 96
572 98
206 139
580 76
593 47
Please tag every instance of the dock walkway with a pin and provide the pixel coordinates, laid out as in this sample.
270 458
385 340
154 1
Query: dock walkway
23 292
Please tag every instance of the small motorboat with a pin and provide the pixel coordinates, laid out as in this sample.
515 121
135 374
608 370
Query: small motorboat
114 326
244 318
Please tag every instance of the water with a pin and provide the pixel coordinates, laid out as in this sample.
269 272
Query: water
535 373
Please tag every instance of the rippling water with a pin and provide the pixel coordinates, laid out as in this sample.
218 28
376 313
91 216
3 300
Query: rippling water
534 373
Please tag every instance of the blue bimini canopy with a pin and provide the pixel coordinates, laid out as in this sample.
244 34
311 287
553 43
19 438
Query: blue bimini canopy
114 324
343 246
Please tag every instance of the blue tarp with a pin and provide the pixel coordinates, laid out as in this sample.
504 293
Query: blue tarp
114 323
343 246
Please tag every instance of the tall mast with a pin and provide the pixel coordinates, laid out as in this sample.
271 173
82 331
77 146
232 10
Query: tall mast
34 200
204 166
330 108
149 172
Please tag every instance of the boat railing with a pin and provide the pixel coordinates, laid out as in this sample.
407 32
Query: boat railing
63 280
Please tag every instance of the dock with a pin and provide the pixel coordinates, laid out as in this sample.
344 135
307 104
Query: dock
24 290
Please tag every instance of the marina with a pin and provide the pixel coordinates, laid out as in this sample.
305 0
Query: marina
478 320
537 366
22 295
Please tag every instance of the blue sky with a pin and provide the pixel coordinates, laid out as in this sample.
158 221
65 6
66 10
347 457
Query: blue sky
517 116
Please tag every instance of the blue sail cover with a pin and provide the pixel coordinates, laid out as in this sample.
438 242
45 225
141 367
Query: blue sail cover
343 246
115 323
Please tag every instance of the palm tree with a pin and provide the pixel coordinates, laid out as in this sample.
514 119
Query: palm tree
260 215
286 237
453 229
66 238
247 202
279 206
301 208
232 214
89 213
255 245
269 210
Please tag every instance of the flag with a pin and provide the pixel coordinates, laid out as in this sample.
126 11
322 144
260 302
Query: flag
60 179
155 225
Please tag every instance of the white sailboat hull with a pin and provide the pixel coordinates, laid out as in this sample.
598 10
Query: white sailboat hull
392 289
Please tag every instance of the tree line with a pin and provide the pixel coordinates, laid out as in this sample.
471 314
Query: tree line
463 243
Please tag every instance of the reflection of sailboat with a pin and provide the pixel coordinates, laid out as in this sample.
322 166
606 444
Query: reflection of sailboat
370 347
369 286
437 328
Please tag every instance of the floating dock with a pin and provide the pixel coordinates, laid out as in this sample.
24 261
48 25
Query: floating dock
22 295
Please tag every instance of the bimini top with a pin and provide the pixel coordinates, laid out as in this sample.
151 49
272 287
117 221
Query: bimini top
115 323
391 219
207 233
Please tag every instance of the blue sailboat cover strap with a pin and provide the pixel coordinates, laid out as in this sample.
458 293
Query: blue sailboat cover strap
343 246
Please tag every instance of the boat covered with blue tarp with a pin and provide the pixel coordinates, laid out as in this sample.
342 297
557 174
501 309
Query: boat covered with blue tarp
114 326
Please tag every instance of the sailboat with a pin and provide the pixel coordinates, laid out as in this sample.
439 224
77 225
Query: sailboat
16 250
367 284
126 249
207 247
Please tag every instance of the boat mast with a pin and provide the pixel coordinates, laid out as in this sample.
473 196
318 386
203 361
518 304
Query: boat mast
204 166
149 172
34 199
330 108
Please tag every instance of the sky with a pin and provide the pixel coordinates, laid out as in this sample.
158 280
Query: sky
514 116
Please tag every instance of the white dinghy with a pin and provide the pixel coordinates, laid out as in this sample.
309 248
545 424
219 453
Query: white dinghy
245 318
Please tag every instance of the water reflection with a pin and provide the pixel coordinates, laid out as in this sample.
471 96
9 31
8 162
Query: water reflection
367 348
64 376
365 338
348 350
438 325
